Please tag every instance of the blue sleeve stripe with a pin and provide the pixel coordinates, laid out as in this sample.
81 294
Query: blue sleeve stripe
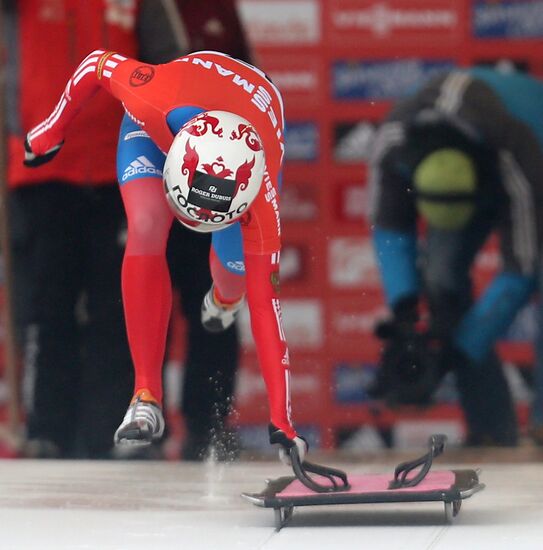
396 253
493 313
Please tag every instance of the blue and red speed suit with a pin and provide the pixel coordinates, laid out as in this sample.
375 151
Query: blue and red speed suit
158 100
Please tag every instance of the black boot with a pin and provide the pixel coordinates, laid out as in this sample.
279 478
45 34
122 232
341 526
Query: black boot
486 402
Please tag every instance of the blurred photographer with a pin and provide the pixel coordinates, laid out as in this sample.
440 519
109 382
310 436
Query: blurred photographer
458 160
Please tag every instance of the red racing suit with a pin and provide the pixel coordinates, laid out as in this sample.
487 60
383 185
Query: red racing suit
208 80
35 84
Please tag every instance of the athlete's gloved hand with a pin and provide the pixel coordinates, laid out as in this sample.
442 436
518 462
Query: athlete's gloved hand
279 437
33 159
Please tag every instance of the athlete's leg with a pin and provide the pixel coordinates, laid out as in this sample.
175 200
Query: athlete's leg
227 265
209 383
146 284
211 359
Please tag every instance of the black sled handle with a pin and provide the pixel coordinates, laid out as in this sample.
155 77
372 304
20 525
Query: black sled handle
437 445
337 478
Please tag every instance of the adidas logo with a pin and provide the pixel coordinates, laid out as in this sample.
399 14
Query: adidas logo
140 166
355 146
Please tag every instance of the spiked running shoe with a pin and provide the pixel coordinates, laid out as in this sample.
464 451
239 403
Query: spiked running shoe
217 317
143 422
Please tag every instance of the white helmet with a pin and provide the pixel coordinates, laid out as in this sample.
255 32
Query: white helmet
213 170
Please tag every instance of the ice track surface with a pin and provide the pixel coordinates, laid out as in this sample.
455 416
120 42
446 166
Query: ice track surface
168 505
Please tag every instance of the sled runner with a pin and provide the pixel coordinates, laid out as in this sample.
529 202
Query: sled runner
314 485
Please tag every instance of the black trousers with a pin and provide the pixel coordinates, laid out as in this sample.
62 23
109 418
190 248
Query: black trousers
483 390
212 359
67 245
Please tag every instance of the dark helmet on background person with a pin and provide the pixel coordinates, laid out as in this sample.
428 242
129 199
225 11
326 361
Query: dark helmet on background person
213 170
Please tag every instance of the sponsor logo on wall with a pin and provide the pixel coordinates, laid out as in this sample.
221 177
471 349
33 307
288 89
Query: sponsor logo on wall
120 12
299 77
355 317
506 65
351 263
301 141
384 80
299 201
352 203
281 22
295 80
413 434
524 327
489 258
293 263
351 381
353 141
302 324
255 438
352 331
508 18
249 385
394 20
486 264
307 383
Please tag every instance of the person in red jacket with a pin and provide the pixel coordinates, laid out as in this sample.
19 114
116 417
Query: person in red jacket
67 230
226 183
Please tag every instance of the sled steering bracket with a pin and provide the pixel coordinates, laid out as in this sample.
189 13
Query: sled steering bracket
337 478
436 445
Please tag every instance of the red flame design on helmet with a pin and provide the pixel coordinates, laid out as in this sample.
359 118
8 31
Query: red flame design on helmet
243 173
251 137
202 123
190 162
217 169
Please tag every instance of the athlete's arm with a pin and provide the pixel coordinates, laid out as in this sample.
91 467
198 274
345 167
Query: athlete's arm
262 276
262 279
45 139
